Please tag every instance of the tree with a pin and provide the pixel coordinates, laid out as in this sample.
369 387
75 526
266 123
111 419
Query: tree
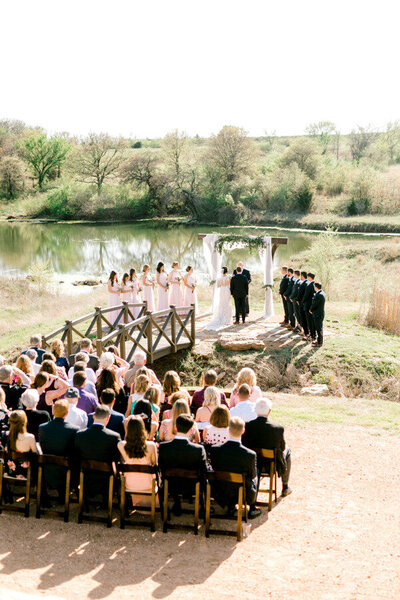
391 140
11 176
12 126
99 158
232 153
270 138
360 139
44 154
322 132
304 152
144 172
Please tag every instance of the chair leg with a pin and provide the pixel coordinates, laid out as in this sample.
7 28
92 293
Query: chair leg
39 491
165 507
110 499
276 485
28 491
239 518
153 505
208 509
1 485
271 486
122 502
80 502
196 508
67 492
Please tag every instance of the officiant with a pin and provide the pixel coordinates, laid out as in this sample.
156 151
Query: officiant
247 274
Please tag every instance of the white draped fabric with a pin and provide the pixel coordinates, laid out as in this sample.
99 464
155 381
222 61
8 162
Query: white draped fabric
268 271
214 266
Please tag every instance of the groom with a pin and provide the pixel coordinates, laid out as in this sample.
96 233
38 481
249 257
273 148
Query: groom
247 274
240 291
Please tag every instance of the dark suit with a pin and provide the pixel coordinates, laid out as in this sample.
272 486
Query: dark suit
97 443
293 298
57 437
236 458
93 363
247 274
239 291
39 352
13 394
307 300
116 422
35 419
302 314
182 454
260 433
318 313
289 304
282 289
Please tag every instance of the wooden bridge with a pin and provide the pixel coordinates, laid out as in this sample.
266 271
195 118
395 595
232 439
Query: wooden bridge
155 333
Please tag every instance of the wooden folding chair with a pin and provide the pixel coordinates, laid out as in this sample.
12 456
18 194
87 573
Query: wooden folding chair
239 481
193 476
124 468
26 481
272 474
59 461
96 466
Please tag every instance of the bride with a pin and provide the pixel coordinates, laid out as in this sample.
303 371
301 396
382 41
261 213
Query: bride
223 313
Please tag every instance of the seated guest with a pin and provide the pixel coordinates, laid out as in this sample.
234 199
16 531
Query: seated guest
138 450
139 360
87 402
4 412
212 399
248 376
210 379
168 426
76 416
17 439
32 355
107 380
144 411
30 399
58 350
13 391
48 356
57 438
80 367
82 357
36 344
50 387
245 408
98 443
142 384
180 395
261 433
235 458
116 422
181 453
171 384
217 432
87 348
153 396
25 365
112 362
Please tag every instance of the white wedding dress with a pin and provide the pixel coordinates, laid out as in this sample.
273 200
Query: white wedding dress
223 314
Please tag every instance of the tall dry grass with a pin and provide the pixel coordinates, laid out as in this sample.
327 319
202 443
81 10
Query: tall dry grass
384 310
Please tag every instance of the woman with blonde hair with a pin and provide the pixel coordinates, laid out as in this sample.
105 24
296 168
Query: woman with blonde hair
171 384
152 394
212 399
179 395
17 439
25 365
248 376
58 349
142 384
168 426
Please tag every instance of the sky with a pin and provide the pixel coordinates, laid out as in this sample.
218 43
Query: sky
144 68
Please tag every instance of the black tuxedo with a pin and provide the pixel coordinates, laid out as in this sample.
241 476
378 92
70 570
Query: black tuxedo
293 297
302 314
97 443
182 454
318 313
57 437
116 422
282 289
93 363
261 433
236 458
239 291
35 419
306 305
289 304
13 394
247 274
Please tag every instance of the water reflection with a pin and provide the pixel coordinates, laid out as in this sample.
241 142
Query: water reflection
83 250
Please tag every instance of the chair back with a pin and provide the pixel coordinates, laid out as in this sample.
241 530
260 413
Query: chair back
181 473
265 453
226 476
149 469
14 455
97 465
52 459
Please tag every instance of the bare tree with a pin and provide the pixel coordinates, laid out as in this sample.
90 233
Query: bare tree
360 139
11 176
322 132
232 153
144 171
391 140
99 158
270 137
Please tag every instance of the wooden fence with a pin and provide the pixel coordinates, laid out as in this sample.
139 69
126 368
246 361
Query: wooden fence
156 333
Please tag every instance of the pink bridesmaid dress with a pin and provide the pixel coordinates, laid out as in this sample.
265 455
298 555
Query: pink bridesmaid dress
135 296
162 301
114 300
176 295
190 296
148 292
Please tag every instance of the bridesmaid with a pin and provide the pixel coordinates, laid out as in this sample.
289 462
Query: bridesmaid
135 292
114 299
148 285
190 295
175 278
163 285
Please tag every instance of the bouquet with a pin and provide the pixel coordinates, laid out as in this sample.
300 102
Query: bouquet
140 290
167 285
268 286
212 282
194 286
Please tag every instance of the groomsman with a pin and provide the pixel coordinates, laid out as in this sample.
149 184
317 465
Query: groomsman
293 299
307 300
318 312
299 302
247 274
289 304
282 289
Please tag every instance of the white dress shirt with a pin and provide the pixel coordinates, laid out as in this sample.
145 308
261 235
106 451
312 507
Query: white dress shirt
76 416
245 410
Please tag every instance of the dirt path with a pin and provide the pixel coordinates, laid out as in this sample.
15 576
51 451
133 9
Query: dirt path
335 538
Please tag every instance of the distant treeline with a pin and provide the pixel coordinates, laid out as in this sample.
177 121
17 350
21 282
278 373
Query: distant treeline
227 178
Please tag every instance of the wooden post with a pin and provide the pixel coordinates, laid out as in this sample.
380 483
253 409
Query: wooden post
99 347
98 322
122 348
69 337
126 308
193 324
173 326
149 334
